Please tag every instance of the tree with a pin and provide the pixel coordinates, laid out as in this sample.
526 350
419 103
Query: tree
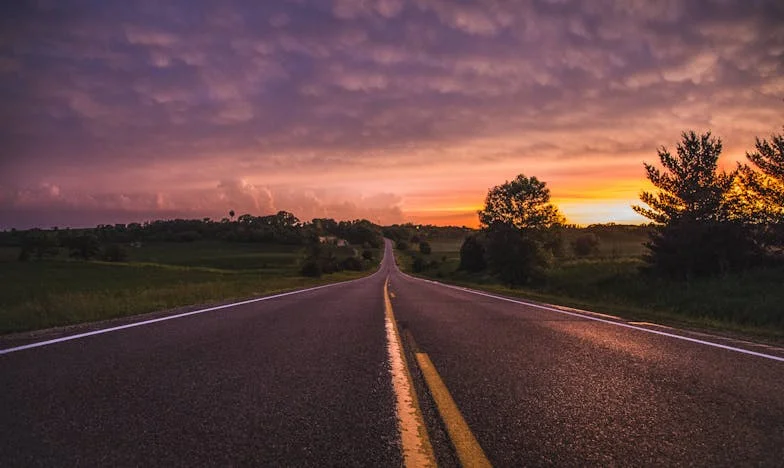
522 203
516 256
769 157
768 184
231 214
424 247
520 225
695 234
690 187
759 195
472 255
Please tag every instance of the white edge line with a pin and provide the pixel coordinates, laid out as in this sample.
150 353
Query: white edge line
611 322
171 317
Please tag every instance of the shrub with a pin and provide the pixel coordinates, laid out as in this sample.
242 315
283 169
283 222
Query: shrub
402 245
85 246
352 263
114 253
419 265
585 245
311 268
367 254
424 247
472 255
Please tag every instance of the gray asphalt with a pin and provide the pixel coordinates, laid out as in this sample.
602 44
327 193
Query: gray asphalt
539 388
303 380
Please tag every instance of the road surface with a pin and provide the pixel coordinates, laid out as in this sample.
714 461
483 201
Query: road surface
306 379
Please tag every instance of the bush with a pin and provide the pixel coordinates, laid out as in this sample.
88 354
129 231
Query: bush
472 255
114 253
352 263
419 265
585 245
85 246
39 244
311 268
367 254
424 247
402 245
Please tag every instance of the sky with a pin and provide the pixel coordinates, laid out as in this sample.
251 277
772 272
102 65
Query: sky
390 110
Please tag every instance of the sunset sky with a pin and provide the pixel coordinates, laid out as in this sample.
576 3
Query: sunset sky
391 110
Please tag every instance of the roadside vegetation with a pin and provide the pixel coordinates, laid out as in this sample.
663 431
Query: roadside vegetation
65 276
712 256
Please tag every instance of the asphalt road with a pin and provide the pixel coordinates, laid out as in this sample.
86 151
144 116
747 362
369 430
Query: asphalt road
304 380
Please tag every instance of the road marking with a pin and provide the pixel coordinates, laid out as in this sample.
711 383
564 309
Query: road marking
417 450
468 449
611 322
168 317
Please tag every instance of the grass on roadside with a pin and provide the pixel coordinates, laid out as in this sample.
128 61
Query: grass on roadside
42 294
747 303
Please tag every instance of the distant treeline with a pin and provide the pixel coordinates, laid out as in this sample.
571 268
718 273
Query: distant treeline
281 228
107 241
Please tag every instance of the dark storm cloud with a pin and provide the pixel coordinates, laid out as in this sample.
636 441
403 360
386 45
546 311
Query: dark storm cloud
276 87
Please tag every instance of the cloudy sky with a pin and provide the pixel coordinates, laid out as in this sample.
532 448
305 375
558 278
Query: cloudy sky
392 110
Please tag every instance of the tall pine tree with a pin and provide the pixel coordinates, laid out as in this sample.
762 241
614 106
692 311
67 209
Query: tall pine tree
694 234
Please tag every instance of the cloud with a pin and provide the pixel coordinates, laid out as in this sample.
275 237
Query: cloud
41 204
124 98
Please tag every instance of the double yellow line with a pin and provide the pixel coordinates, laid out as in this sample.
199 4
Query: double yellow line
469 452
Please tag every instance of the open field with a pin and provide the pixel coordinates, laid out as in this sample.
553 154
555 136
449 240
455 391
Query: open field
40 294
610 281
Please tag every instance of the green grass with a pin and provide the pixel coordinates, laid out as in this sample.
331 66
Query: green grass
748 304
41 294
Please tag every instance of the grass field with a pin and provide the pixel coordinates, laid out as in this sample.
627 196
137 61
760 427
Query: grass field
41 294
610 281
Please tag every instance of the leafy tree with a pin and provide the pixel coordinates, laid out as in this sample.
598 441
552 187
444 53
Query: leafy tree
522 203
520 224
516 256
695 234
472 255
231 214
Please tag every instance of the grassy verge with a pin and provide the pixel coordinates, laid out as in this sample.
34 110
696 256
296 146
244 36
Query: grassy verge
42 294
747 305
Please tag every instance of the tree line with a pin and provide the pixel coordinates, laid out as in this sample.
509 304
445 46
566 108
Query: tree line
110 242
705 221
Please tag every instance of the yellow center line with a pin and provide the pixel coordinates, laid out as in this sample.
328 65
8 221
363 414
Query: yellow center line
417 450
468 449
